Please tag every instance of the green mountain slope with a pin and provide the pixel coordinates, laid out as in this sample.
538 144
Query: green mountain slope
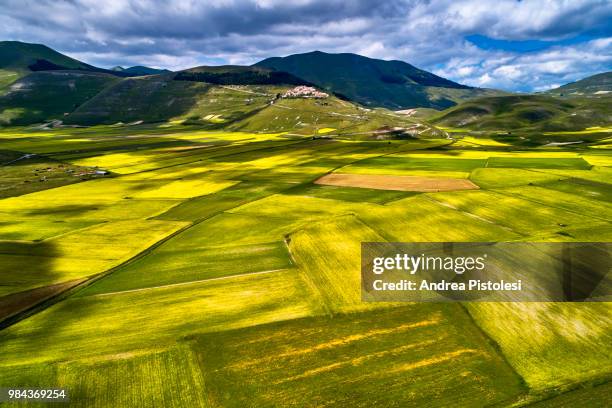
17 57
39 84
535 112
199 95
238 107
373 82
210 96
148 99
600 84
48 95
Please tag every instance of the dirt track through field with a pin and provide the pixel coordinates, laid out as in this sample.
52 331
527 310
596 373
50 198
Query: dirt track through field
398 183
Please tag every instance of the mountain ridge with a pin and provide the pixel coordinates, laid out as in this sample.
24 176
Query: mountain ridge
373 82
20 55
38 84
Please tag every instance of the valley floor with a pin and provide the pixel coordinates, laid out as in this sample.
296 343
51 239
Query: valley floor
215 269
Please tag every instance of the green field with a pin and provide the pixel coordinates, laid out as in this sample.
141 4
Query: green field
213 271
169 377
388 357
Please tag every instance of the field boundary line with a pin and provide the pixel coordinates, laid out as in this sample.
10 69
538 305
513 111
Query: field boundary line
191 154
469 214
494 345
400 150
240 275
75 289
313 288
39 307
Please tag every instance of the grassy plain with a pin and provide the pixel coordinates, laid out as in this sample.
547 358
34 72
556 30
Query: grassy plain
224 269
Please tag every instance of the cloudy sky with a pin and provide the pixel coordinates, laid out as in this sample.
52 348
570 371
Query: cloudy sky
514 45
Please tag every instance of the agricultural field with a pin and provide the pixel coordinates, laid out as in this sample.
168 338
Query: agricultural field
220 267
387 355
397 183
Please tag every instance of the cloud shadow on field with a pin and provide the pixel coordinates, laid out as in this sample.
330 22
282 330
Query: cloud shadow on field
25 266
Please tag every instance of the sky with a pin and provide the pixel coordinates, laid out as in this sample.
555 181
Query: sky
529 45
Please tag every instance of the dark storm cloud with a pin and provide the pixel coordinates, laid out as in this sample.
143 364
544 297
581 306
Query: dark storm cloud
429 34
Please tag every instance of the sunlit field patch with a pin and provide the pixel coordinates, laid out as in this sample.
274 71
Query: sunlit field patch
537 163
483 141
328 255
88 326
517 214
502 177
185 189
568 342
167 266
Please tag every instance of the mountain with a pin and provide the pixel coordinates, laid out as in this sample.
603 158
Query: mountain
235 105
19 56
597 85
18 59
39 84
527 112
22 58
374 82
214 96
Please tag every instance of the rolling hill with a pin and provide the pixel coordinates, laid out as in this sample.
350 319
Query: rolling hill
38 84
532 112
373 82
595 85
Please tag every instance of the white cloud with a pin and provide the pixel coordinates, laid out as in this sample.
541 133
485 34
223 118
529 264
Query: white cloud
530 71
428 34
